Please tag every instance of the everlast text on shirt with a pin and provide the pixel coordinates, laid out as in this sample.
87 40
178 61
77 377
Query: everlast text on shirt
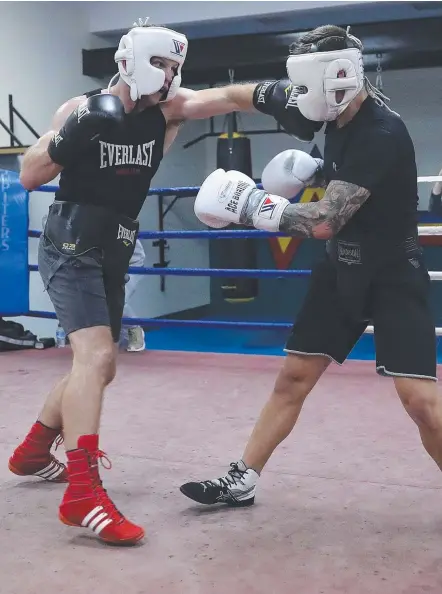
112 155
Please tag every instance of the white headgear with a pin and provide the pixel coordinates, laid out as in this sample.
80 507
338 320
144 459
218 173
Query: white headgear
318 73
135 52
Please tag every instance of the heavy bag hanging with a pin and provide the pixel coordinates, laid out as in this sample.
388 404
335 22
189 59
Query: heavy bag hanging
234 152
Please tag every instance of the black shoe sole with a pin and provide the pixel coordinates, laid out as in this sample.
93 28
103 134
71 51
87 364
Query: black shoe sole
245 503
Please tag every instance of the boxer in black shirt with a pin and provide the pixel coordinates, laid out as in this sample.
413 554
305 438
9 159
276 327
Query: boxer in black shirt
373 269
106 146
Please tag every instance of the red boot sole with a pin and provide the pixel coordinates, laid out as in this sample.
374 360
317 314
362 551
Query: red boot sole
124 543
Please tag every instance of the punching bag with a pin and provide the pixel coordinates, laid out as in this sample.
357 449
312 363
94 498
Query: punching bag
234 152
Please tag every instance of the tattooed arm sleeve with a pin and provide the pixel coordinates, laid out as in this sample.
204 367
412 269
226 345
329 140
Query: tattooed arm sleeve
323 219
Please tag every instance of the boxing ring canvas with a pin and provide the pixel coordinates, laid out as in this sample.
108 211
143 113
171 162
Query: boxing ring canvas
349 503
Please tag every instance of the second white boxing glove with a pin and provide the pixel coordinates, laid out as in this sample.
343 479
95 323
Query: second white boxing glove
232 197
221 198
289 172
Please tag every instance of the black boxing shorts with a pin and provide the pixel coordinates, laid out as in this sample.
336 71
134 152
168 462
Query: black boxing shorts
395 301
83 257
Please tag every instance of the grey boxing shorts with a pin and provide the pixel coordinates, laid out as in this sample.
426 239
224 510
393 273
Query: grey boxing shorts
79 293
83 258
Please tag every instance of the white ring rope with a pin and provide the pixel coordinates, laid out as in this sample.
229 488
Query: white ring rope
370 330
428 230
429 178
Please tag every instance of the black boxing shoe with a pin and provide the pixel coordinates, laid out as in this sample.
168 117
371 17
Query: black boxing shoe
236 489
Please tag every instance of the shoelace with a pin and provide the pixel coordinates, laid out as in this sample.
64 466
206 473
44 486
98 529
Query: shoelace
96 458
100 455
58 441
232 478
103 498
103 456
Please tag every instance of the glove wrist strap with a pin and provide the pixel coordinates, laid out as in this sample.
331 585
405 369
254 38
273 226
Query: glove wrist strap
264 211
250 207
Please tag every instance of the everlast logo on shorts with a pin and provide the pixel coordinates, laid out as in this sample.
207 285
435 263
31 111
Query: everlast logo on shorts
123 154
232 205
262 91
126 235
350 253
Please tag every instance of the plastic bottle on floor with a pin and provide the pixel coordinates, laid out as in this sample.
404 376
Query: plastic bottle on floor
60 337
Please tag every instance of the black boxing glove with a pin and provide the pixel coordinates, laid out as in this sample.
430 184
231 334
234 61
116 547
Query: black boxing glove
278 99
87 122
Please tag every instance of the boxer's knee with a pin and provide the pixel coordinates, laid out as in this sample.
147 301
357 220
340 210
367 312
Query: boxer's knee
298 376
94 353
105 364
421 400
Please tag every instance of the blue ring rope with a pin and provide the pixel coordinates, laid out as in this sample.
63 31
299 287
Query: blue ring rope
227 272
231 272
185 190
215 234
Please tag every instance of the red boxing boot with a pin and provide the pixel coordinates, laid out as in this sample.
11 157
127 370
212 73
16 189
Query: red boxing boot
86 504
33 456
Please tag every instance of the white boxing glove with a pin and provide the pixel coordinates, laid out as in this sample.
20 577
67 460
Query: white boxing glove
228 197
289 172
221 197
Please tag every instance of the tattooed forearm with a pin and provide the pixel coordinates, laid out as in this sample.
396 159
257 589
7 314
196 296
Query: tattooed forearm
323 219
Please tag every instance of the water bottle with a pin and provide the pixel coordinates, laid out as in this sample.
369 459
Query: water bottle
60 337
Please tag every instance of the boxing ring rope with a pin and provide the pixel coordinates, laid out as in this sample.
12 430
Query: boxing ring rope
223 272
423 230
206 323
186 191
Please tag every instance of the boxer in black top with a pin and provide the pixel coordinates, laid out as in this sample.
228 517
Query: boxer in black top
106 146
373 269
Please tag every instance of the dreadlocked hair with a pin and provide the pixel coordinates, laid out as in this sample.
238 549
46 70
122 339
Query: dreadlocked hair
331 38
327 38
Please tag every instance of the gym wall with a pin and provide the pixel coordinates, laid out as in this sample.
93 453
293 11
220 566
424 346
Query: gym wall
44 42
41 69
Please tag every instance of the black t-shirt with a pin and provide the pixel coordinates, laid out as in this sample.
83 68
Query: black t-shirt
116 172
375 151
